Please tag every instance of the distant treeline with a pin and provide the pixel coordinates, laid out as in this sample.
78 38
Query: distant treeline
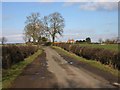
87 40
100 41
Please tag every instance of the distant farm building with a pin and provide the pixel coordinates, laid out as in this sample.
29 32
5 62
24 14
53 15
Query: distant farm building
71 41
56 42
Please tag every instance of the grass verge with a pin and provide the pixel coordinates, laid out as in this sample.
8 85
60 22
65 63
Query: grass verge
94 63
15 70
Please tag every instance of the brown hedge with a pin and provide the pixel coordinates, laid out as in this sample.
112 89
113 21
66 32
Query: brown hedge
12 54
107 57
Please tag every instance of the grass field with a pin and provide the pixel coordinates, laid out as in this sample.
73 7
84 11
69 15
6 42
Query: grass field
113 47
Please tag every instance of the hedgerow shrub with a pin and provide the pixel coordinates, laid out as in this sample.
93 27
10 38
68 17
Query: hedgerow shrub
104 56
66 46
116 60
48 44
13 54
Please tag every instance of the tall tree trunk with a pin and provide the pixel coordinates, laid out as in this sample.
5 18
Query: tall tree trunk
33 40
29 40
2 42
53 38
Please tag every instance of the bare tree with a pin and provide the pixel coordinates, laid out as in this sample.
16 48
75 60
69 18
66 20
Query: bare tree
117 40
56 25
100 40
3 40
49 26
33 27
108 41
26 37
88 40
46 26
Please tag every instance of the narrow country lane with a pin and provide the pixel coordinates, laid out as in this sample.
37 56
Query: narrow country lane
50 70
69 76
36 75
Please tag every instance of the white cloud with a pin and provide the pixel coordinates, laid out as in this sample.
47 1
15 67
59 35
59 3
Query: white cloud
14 38
111 6
84 33
93 6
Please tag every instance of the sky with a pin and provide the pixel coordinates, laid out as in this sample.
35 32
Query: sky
82 19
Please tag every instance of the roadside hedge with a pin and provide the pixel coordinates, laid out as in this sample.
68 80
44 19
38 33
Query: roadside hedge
12 54
107 57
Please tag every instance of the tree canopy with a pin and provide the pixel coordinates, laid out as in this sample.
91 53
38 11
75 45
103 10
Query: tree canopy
49 27
3 40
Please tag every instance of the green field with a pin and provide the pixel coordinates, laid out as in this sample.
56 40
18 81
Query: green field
113 47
